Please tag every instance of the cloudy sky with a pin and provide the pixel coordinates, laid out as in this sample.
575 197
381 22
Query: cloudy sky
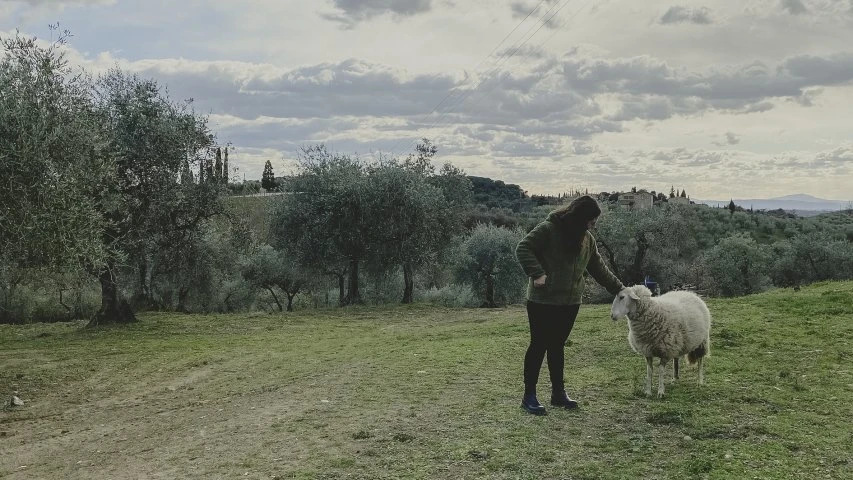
724 98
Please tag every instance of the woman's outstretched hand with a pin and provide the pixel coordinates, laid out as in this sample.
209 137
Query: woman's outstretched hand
540 282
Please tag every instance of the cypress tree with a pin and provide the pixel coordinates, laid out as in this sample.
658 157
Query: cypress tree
187 174
268 177
225 168
217 167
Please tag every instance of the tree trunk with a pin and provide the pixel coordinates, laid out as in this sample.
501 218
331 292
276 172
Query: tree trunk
290 301
8 290
144 281
280 309
183 292
353 295
490 292
635 274
67 308
342 296
610 256
113 310
143 299
408 290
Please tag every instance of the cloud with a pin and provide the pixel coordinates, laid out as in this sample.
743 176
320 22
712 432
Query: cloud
546 96
547 16
684 157
565 110
538 110
62 2
679 14
730 139
651 89
794 7
351 12
839 159
808 97
349 87
23 12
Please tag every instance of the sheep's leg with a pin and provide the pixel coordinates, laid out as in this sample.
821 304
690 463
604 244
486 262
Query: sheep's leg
661 375
675 369
701 371
648 389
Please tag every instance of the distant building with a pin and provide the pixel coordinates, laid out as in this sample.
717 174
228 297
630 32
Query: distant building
640 200
679 200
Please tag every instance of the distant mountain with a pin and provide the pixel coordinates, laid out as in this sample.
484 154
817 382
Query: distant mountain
800 203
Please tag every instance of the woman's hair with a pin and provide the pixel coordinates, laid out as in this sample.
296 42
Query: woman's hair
573 219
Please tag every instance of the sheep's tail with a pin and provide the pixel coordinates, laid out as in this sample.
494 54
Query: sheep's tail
703 350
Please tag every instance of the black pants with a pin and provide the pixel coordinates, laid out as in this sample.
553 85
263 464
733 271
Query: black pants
550 326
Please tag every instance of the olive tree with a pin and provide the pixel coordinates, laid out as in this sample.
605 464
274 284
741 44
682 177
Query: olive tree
142 201
737 265
270 269
340 215
487 261
323 218
52 158
417 210
637 243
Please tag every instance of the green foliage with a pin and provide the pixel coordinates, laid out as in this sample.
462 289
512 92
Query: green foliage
735 266
637 243
487 261
497 194
340 213
201 273
451 295
811 258
29 295
323 219
113 176
100 172
420 212
268 181
51 158
248 187
151 140
410 211
269 269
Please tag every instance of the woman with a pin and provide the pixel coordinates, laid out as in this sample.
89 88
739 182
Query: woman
555 255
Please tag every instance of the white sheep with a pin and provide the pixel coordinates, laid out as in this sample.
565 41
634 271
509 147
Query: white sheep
668 327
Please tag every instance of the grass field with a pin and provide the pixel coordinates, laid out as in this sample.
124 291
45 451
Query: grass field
426 392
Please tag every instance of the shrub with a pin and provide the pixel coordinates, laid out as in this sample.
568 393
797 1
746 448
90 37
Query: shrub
735 266
453 295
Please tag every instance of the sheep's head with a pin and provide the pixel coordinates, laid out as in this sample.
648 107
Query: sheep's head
626 301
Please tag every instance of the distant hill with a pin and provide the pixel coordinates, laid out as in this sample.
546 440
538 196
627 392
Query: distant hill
800 204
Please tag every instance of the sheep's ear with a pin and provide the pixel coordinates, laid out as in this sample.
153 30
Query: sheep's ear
633 294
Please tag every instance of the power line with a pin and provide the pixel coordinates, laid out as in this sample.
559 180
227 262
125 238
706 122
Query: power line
545 20
394 148
548 38
509 53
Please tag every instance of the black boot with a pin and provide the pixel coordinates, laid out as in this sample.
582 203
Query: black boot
559 398
532 405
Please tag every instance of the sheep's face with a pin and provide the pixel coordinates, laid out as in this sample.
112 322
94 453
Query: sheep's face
622 303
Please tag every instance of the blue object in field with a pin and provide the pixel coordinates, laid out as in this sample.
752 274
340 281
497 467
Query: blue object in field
651 285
